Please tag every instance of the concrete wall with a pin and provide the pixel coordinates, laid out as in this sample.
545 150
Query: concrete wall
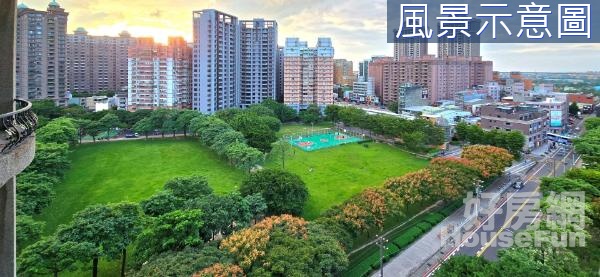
7 187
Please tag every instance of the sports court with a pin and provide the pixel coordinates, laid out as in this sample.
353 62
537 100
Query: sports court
324 140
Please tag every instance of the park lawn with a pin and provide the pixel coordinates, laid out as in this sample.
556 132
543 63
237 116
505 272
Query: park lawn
340 172
110 172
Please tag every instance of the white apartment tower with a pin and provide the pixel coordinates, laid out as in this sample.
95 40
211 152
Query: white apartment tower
258 61
216 56
308 73
41 53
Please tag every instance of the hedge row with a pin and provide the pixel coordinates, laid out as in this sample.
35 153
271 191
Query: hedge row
396 245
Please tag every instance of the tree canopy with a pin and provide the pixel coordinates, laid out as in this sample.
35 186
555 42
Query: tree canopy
284 192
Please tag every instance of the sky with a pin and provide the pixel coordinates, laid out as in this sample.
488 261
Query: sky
357 28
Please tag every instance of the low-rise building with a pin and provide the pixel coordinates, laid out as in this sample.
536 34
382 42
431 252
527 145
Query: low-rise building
527 119
585 102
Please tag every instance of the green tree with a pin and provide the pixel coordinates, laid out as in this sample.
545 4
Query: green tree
182 263
184 120
161 203
283 112
392 107
74 111
52 256
256 129
109 122
60 130
158 118
284 192
574 109
243 156
311 115
50 159
34 197
223 140
188 187
144 126
257 206
281 151
28 230
46 108
459 266
173 231
82 125
332 112
222 214
208 128
109 228
588 146
170 123
591 123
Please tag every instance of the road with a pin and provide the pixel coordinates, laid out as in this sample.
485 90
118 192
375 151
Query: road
514 214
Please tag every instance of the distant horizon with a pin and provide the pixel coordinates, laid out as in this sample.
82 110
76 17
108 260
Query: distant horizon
354 38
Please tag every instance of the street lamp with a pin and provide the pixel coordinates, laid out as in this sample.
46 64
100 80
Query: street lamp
478 187
381 241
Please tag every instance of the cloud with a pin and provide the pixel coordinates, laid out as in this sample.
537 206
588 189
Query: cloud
357 27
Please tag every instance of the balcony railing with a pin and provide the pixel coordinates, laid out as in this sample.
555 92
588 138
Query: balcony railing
16 126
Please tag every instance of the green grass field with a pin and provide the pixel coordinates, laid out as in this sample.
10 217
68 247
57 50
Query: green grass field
110 172
340 172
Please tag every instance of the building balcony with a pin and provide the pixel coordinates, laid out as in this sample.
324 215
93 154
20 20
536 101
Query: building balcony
17 142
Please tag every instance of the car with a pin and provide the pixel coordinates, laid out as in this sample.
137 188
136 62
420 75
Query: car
131 135
518 184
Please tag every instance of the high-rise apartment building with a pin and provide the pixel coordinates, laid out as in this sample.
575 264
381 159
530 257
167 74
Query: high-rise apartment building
216 61
41 53
279 94
461 45
363 71
97 63
308 73
442 77
343 73
159 76
258 61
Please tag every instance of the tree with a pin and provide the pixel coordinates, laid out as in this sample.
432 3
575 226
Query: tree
52 256
284 192
222 214
459 265
161 203
562 184
74 111
182 263
588 146
46 108
256 129
60 130
311 115
28 230
170 123
574 109
108 228
188 187
50 159
173 231
592 123
223 140
414 141
82 125
392 107
144 126
332 112
256 205
109 121
127 227
281 151
221 270
158 118
184 120
243 156
282 111
34 197
489 160
208 128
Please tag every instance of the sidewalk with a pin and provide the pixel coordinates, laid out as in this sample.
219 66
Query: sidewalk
418 257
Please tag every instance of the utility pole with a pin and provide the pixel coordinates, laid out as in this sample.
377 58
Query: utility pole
381 241
478 195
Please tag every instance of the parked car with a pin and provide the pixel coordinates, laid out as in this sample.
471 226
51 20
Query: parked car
130 135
